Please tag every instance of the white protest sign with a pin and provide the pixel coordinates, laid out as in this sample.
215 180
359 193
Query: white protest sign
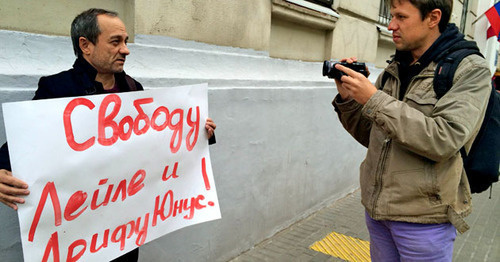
108 173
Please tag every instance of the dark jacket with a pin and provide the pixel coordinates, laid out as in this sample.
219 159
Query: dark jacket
77 81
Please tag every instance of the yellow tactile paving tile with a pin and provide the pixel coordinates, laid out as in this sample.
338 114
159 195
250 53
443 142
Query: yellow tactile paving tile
343 247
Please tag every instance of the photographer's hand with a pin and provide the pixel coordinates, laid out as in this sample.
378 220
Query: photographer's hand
343 92
357 86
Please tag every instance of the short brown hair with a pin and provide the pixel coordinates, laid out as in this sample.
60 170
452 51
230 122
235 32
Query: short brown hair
426 6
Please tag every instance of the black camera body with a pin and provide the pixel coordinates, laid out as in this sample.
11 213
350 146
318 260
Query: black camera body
332 72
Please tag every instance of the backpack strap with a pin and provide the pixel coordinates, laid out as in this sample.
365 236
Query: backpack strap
385 76
448 64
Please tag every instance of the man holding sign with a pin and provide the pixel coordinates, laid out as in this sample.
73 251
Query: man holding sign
100 43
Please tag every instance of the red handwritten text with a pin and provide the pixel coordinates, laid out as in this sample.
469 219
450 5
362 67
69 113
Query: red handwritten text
176 207
77 201
119 235
139 125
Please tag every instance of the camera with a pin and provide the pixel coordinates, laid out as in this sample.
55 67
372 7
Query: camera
332 72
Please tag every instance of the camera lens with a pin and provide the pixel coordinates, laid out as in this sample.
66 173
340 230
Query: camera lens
327 66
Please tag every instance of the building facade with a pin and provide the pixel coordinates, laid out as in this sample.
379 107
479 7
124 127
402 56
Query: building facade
307 30
281 152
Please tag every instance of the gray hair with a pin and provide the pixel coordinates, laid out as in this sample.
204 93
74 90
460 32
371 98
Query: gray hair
86 25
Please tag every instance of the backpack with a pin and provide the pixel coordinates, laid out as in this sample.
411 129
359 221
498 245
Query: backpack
481 164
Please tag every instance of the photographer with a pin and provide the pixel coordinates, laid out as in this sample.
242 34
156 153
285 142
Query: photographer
413 186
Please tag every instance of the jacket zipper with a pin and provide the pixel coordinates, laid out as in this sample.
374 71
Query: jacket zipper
378 174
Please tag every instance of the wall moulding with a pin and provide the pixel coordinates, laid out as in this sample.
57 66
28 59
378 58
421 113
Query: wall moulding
302 15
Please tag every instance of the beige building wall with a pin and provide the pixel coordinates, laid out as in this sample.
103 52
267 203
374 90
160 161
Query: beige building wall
280 27
363 9
354 37
300 33
356 32
295 41
242 23
456 14
54 17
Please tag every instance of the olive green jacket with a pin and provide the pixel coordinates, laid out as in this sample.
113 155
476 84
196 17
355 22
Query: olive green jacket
413 170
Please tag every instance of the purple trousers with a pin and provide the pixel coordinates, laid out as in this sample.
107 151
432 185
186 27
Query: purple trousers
401 241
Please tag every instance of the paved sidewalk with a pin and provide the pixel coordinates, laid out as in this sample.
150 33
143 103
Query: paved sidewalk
346 216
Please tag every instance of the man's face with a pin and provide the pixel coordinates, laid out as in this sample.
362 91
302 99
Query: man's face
409 31
108 54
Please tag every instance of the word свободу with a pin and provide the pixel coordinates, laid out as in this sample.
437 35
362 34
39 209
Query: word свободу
127 125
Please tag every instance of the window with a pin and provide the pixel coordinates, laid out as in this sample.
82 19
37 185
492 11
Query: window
326 3
384 14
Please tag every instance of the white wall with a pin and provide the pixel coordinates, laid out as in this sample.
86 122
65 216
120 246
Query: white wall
280 155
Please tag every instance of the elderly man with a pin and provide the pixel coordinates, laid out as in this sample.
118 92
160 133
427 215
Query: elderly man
100 43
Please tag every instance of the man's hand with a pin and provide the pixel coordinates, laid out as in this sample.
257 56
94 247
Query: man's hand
210 127
11 188
354 85
343 92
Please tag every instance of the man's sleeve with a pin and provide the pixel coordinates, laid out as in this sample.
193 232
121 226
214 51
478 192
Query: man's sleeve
351 116
211 140
4 158
43 91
